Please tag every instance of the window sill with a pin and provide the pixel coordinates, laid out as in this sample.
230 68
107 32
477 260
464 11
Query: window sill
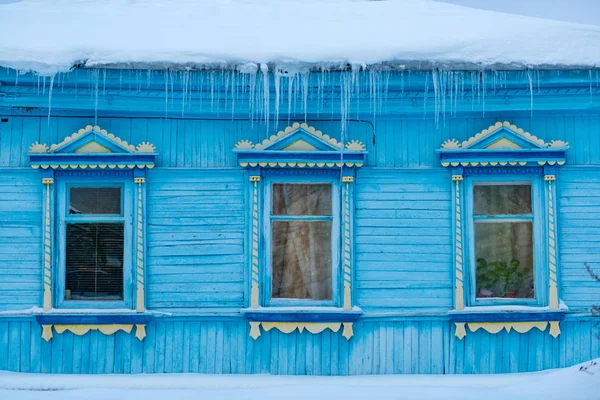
311 319
302 314
508 313
95 317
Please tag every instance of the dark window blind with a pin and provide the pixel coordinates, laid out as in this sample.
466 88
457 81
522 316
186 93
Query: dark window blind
90 200
94 261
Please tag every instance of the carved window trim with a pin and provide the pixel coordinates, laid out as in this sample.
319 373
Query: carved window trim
302 154
92 153
504 151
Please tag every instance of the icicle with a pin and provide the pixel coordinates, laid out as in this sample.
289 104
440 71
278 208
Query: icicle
483 92
96 81
50 98
529 78
305 89
265 71
233 90
185 81
166 94
591 90
436 95
425 94
212 90
277 81
290 90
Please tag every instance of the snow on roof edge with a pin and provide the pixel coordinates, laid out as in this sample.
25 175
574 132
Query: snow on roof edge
50 37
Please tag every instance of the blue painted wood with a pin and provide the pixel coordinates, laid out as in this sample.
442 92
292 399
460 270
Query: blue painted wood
507 316
197 228
93 319
304 316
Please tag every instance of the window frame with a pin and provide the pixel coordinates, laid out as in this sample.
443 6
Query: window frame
333 179
538 218
64 184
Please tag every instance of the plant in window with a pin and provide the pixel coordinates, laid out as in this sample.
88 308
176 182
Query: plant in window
499 278
514 278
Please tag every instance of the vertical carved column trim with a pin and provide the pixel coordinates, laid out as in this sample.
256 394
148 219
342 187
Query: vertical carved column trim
140 302
459 298
553 283
47 274
347 245
254 291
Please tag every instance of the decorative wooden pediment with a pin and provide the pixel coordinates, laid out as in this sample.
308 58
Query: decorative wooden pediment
500 145
300 146
92 147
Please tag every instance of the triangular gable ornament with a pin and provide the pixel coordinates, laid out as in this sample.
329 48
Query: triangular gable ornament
502 144
300 146
92 147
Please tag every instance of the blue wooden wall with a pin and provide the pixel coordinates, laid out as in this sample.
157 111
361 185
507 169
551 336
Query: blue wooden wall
223 346
197 250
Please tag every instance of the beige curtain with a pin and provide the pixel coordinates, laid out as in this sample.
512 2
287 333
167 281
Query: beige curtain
301 249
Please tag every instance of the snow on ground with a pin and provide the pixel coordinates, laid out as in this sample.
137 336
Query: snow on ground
50 36
579 382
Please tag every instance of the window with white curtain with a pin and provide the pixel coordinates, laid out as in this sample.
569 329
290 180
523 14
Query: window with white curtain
302 240
301 223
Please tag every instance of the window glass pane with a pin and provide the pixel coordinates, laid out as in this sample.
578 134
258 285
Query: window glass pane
502 199
301 260
89 200
301 199
94 261
504 254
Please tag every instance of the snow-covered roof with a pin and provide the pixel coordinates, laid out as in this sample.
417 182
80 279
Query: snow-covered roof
53 36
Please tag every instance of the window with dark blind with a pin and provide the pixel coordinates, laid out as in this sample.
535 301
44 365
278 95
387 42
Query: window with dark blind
94 251
90 200
94 261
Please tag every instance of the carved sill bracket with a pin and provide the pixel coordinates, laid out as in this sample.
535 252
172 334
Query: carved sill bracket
80 330
312 327
495 322
82 324
496 327
288 320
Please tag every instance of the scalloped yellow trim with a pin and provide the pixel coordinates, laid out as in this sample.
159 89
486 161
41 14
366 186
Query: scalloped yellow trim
353 145
92 166
453 144
82 329
300 164
144 147
312 327
496 327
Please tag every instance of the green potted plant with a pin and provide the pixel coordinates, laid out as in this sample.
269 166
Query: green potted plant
499 278
514 277
487 278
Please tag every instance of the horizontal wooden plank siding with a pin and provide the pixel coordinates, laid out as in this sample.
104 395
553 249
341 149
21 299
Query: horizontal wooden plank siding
196 228
579 235
20 239
224 346
403 243
202 143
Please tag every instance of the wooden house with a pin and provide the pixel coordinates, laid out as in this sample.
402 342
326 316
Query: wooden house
321 221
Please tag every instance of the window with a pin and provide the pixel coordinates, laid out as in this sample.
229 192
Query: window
300 262
93 228
94 246
94 238
504 220
503 240
301 241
